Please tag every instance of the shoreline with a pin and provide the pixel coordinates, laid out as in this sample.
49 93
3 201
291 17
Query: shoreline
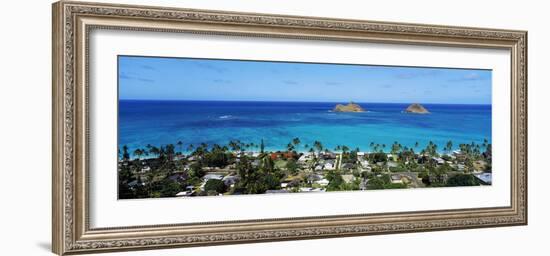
267 151
417 149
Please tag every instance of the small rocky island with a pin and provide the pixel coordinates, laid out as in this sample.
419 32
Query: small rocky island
350 107
417 109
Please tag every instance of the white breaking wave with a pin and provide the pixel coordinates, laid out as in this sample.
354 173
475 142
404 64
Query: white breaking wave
225 117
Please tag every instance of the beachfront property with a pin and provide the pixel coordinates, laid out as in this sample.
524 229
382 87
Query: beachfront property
219 171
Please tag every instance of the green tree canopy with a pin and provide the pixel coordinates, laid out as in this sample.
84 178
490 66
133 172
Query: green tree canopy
214 185
169 188
292 167
462 180
379 157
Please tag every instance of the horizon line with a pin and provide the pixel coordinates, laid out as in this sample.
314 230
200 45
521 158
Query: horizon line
330 101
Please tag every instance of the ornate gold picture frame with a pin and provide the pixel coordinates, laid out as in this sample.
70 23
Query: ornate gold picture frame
72 23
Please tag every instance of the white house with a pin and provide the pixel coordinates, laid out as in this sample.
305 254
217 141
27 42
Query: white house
322 182
438 160
212 176
329 165
184 193
145 169
306 157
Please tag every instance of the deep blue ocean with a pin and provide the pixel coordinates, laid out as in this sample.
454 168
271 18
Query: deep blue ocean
194 122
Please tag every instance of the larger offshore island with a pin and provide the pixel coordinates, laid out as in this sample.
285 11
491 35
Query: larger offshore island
180 170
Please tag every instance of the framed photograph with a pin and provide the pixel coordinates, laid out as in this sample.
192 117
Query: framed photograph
178 127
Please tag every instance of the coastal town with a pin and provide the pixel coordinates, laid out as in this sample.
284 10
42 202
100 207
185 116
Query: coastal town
221 171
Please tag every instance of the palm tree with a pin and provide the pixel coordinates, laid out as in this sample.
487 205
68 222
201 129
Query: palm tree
150 179
431 149
241 145
289 147
199 150
235 145
266 162
345 149
190 148
138 152
449 146
180 145
396 147
170 152
167 151
416 144
262 146
217 147
485 143
154 151
125 154
318 146
296 141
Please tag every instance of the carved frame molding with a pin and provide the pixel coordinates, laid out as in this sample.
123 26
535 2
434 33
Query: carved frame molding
72 22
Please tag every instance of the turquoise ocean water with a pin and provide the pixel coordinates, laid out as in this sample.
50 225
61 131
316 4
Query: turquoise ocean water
143 122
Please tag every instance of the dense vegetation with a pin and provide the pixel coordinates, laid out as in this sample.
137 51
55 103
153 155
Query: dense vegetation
165 171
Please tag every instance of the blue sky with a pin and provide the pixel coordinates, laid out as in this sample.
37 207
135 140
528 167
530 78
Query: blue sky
203 79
